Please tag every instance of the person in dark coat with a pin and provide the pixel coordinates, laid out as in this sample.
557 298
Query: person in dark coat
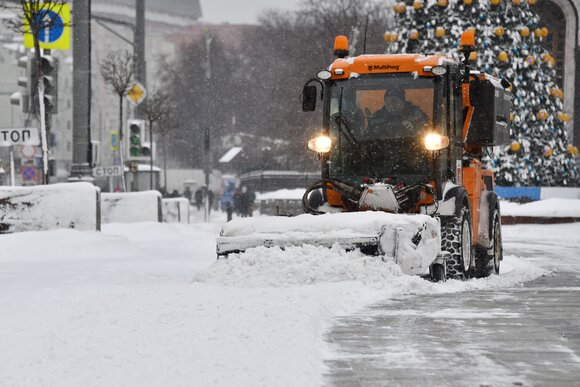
398 118
198 198
187 194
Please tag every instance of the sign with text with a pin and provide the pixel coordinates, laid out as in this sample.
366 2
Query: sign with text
19 136
115 170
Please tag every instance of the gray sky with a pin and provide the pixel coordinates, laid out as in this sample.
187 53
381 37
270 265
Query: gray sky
240 11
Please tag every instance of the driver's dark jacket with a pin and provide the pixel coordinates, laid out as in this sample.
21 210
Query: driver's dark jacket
390 124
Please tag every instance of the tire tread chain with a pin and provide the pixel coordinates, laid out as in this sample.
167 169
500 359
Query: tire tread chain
451 242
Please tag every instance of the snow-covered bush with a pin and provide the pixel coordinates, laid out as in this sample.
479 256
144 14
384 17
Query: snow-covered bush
46 207
131 207
176 210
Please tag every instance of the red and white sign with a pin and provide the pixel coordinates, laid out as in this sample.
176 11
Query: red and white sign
27 151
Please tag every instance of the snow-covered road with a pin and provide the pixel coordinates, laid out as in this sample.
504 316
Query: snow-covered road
526 335
147 304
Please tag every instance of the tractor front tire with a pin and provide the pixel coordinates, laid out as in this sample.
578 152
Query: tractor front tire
456 239
487 261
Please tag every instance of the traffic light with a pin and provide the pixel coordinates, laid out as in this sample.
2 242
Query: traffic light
27 99
49 70
23 98
138 148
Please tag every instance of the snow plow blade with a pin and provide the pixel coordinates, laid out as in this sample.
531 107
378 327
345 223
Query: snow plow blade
413 241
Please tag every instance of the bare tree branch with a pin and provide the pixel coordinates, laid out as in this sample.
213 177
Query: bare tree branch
155 106
117 70
34 15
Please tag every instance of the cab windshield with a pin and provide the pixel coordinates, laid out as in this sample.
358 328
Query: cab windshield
377 123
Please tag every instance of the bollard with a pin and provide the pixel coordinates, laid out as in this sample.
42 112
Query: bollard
229 210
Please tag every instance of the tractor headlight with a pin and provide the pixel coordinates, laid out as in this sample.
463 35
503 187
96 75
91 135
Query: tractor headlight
320 144
435 141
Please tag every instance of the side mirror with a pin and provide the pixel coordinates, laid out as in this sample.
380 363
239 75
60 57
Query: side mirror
309 98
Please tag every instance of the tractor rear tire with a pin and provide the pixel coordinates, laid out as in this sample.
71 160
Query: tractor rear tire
487 261
456 239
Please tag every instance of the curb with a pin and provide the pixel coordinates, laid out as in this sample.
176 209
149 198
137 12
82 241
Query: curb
537 220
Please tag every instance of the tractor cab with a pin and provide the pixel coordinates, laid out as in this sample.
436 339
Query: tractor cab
403 119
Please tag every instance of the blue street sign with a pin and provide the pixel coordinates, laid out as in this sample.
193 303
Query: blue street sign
52 34
114 140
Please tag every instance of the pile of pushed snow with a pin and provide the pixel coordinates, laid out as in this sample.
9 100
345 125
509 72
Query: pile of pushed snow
543 208
295 266
317 265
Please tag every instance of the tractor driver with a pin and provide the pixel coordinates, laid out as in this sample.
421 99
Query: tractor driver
397 118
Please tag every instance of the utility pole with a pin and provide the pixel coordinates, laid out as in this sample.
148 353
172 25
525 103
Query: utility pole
139 61
82 157
139 50
207 132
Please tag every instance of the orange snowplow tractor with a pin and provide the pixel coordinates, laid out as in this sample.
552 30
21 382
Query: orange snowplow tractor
467 39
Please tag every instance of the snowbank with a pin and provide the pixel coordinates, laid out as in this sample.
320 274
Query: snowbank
175 210
46 207
131 207
557 208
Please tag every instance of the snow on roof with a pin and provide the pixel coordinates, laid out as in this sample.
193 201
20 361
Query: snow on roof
229 156
144 168
282 194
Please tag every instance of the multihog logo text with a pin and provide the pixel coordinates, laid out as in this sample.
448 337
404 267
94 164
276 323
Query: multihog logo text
383 67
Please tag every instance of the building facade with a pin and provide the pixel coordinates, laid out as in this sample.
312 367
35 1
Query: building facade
111 31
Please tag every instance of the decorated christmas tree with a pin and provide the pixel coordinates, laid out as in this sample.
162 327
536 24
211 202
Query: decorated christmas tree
509 42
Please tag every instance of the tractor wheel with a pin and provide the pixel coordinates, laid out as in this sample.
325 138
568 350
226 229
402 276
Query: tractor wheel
456 239
487 261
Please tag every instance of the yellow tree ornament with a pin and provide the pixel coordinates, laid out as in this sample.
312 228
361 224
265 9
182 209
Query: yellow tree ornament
443 3
524 32
564 117
473 56
548 152
495 3
467 2
418 4
542 115
440 32
515 146
547 58
573 150
399 8
502 56
499 31
530 60
556 92
516 2
414 35
532 2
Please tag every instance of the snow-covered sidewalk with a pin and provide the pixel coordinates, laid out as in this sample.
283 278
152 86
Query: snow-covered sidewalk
148 304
